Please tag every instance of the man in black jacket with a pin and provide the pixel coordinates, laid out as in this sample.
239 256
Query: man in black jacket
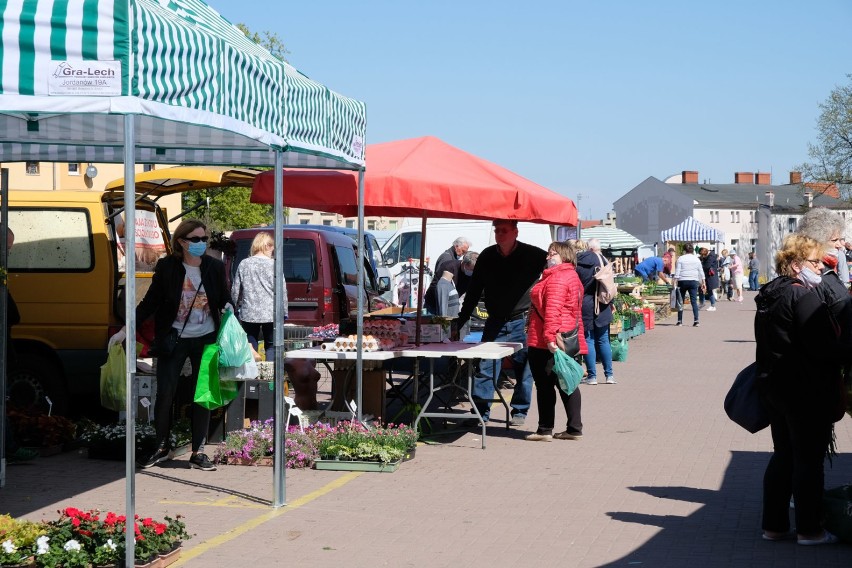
505 273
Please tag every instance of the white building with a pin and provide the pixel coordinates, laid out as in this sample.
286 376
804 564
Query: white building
753 214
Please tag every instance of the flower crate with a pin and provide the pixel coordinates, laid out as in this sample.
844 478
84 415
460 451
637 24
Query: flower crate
347 465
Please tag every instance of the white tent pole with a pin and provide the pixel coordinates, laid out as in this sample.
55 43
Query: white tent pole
279 470
359 357
130 323
4 222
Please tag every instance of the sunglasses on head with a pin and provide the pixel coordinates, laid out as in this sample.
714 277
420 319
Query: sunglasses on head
196 239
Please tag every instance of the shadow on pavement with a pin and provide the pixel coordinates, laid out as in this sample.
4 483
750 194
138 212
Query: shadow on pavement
219 489
725 530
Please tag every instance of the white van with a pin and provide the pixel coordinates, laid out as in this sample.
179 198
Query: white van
404 245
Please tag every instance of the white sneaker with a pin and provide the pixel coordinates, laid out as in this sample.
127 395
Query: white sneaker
589 381
711 309
611 380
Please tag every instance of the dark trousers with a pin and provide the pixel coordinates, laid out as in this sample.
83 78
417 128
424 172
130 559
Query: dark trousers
546 387
253 331
795 468
168 374
689 287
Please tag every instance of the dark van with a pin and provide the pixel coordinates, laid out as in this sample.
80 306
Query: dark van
320 268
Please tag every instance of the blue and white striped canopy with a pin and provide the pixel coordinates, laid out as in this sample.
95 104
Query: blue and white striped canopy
692 231
201 91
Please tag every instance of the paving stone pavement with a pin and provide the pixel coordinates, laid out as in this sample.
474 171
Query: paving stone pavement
661 478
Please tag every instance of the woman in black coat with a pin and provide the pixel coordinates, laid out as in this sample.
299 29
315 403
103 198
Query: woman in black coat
800 380
187 295
596 317
710 264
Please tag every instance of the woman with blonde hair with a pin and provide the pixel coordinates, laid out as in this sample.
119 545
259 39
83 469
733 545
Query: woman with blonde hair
556 304
799 377
253 293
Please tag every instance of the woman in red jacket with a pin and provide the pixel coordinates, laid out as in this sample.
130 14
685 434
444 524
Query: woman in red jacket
556 302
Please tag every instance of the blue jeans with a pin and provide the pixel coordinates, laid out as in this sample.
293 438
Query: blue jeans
483 387
597 339
690 286
752 280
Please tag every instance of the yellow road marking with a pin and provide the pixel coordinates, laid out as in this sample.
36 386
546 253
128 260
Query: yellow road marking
231 501
243 528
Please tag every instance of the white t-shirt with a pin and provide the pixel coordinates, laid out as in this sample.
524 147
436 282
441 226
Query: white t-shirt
689 268
199 321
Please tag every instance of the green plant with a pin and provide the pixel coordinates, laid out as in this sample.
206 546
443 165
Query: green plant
17 540
41 430
111 438
354 441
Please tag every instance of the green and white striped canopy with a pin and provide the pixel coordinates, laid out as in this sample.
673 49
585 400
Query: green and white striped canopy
200 90
611 238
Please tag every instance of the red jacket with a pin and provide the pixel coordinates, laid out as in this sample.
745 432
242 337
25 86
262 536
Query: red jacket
556 306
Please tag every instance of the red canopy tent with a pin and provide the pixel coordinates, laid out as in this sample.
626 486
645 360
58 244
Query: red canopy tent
419 177
422 177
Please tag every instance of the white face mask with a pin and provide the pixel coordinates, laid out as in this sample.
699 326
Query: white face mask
809 277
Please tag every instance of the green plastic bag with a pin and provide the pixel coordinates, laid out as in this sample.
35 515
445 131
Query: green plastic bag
210 391
568 371
114 379
619 350
234 349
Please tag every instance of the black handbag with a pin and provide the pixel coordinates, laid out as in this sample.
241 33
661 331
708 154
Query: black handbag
743 404
569 341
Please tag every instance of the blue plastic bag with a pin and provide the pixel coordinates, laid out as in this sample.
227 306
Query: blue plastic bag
568 371
234 349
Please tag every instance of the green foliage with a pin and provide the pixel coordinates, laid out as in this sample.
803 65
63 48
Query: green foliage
230 208
831 155
268 40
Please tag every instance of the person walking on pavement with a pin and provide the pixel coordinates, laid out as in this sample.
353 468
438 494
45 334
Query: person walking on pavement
725 288
799 357
188 292
596 316
555 306
505 272
753 272
710 265
737 272
253 293
689 277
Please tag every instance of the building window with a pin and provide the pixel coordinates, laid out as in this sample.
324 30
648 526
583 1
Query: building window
32 168
147 167
371 225
791 224
753 244
734 244
326 222
304 220
732 217
751 216
350 224
73 169
738 217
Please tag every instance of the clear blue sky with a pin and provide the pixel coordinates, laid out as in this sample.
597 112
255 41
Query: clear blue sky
585 98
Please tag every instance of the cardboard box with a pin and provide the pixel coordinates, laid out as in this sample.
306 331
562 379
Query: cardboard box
372 394
393 311
429 332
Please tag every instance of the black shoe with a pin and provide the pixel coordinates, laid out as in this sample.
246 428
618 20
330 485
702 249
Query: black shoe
695 324
679 323
202 462
161 455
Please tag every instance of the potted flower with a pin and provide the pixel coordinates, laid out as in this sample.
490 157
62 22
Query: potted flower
255 446
109 442
355 447
17 540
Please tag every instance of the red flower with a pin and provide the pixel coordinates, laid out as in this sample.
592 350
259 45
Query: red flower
159 528
75 521
72 512
148 522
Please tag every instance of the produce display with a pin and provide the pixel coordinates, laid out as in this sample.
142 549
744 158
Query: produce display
379 335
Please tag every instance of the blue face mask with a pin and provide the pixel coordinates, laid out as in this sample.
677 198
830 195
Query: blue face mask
468 272
197 249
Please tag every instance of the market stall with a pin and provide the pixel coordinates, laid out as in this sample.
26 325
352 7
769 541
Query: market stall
620 246
143 81
692 231
421 177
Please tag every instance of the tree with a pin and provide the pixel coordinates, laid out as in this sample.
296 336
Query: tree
229 208
831 156
269 40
